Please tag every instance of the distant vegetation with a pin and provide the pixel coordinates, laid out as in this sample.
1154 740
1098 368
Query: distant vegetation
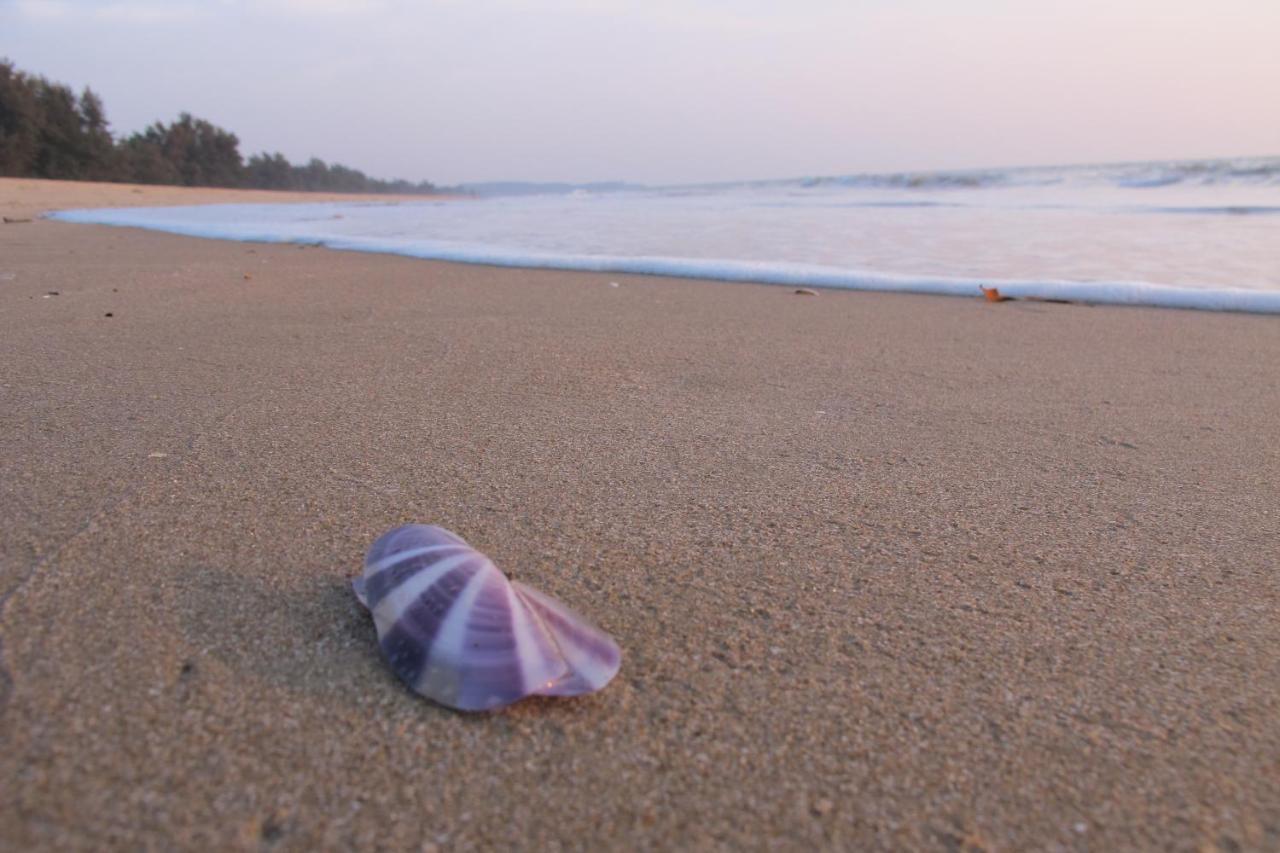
48 131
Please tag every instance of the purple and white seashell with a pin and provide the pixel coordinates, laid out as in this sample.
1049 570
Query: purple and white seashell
458 631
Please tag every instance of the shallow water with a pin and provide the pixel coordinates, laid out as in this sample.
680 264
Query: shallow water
1197 235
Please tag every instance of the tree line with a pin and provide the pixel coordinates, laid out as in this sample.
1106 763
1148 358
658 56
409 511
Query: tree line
48 131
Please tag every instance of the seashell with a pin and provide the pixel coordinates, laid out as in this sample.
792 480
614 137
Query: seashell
460 632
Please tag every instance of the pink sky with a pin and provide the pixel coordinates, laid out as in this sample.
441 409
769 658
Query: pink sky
668 91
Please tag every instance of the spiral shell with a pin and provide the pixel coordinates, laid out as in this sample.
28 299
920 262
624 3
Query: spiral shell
458 631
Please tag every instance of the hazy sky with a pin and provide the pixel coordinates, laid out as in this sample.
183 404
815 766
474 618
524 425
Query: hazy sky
677 90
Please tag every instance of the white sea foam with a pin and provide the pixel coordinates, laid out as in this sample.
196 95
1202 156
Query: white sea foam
1079 241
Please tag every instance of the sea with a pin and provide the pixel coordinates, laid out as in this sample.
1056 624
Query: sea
1201 234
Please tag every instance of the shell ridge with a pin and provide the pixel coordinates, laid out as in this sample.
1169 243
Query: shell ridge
382 583
491 667
408 638
410 536
400 598
591 654
541 661
442 676
571 682
386 562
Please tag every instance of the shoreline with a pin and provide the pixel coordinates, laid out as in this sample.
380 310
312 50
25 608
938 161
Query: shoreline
887 570
1091 292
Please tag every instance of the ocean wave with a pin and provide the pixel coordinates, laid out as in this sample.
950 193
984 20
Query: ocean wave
760 272
1222 210
1239 171
913 180
1251 171
809 204
1254 171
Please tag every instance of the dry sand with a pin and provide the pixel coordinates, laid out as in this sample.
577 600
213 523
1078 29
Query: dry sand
22 198
888 571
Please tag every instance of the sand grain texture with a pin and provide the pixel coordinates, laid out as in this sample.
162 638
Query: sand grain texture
887 571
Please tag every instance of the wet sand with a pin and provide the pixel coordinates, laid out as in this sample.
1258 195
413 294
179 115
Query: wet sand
888 571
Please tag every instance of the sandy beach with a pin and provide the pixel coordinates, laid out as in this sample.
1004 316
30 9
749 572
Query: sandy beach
888 571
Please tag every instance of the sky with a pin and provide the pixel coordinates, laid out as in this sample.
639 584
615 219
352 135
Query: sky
672 91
